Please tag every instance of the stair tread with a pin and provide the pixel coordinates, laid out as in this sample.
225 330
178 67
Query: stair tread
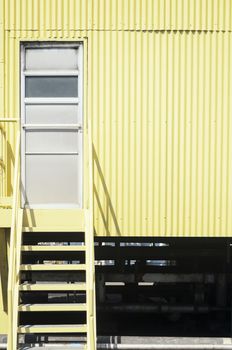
52 267
28 248
53 328
52 286
56 347
53 307
74 228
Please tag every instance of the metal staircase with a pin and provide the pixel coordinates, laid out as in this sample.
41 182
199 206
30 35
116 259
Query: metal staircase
51 287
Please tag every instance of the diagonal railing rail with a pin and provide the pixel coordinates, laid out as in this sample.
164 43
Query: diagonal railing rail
14 256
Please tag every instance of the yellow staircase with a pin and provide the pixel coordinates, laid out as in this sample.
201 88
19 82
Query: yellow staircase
53 293
51 285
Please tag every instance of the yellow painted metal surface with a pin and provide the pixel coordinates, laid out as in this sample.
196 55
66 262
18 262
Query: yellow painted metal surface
44 248
52 267
38 287
72 328
159 97
5 218
52 307
57 220
70 15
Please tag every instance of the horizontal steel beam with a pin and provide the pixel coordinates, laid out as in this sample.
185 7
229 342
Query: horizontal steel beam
169 252
148 346
161 346
165 346
161 278
150 308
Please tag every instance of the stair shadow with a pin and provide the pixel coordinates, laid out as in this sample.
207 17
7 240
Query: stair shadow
109 211
4 267
28 216
109 340
2 163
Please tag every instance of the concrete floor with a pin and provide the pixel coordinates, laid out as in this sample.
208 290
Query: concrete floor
144 340
163 340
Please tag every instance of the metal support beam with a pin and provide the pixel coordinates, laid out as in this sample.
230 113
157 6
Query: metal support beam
149 308
165 346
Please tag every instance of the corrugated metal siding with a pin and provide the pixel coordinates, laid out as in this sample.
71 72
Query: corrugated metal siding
66 15
159 94
162 124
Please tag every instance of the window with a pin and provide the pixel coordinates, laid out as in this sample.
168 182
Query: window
51 86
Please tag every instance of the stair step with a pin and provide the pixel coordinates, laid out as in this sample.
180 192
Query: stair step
53 307
55 347
53 328
52 248
53 267
52 287
54 220
74 228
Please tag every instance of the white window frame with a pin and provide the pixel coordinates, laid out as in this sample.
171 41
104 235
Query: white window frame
73 100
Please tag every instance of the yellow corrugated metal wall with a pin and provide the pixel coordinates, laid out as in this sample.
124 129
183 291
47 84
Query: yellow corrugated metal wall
159 95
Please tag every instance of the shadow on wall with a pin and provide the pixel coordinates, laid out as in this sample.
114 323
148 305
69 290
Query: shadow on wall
107 214
2 163
9 166
7 161
29 219
28 215
4 241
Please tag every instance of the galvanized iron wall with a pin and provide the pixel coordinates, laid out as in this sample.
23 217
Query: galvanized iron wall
159 95
61 16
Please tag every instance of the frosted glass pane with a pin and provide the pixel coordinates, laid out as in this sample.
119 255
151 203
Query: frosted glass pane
53 179
51 86
52 141
49 114
52 58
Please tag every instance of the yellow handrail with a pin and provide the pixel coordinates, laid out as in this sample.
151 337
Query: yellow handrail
15 223
90 279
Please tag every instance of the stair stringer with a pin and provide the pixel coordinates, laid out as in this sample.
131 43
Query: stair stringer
13 290
90 281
